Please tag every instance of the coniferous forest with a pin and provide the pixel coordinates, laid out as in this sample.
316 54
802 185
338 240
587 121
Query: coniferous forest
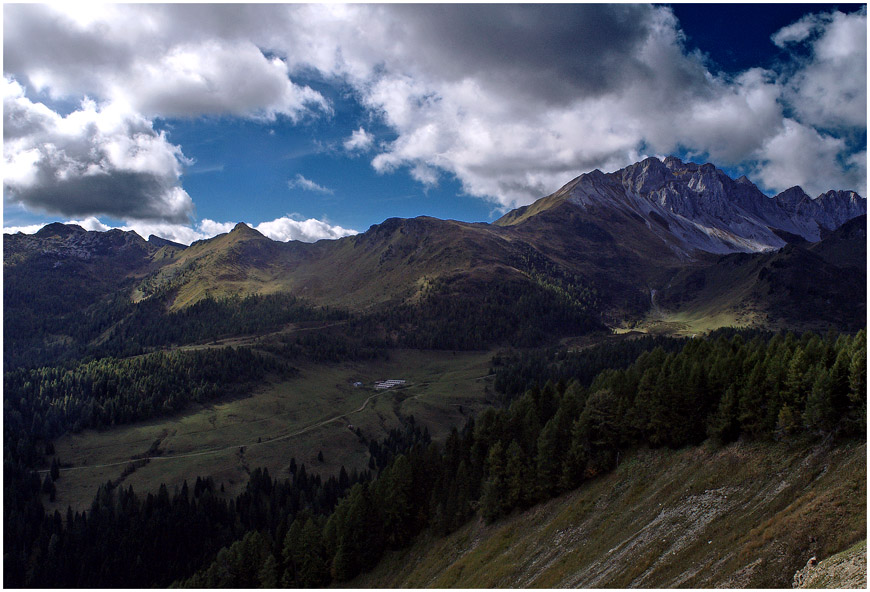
561 428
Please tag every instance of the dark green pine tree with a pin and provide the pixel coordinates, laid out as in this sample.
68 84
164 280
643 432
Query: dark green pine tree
821 413
519 482
268 574
858 381
313 568
394 489
753 400
463 487
554 441
552 445
597 432
574 466
724 425
344 567
359 534
493 503
799 380
292 554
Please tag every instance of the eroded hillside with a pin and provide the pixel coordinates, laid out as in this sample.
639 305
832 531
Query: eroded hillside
748 515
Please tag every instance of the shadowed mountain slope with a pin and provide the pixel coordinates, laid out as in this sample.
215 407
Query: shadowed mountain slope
693 207
53 279
808 286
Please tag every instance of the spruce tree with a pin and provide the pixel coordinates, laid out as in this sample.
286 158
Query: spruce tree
493 502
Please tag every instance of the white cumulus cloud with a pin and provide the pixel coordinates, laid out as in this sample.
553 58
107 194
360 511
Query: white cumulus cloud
310 230
160 60
99 159
829 89
800 155
359 141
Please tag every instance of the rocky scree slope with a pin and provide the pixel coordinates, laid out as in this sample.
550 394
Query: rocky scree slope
749 515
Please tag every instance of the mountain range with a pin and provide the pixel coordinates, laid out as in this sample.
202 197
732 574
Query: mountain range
660 239
221 360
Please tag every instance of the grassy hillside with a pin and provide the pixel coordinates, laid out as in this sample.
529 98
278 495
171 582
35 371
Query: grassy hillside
387 263
748 515
796 287
296 418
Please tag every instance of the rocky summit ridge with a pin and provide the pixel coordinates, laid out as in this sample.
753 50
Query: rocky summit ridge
699 207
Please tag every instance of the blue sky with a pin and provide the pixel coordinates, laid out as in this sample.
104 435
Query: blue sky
315 121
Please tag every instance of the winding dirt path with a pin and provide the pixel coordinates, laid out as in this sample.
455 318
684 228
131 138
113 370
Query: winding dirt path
225 448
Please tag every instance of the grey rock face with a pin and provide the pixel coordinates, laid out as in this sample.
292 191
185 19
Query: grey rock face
699 207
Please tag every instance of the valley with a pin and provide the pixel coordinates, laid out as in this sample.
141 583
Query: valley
662 332
297 419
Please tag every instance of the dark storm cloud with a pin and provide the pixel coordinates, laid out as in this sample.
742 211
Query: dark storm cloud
558 53
121 194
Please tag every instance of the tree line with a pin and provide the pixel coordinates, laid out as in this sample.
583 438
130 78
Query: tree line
39 404
454 314
125 539
117 327
516 371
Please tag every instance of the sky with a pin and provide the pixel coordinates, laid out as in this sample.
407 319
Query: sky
315 121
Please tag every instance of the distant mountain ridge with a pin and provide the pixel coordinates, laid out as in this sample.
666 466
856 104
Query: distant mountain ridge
693 207
612 241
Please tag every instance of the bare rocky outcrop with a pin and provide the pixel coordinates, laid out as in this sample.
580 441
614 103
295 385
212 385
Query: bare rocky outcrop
699 207
843 570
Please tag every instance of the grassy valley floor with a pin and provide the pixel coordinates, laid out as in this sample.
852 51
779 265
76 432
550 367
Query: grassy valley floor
297 419
747 515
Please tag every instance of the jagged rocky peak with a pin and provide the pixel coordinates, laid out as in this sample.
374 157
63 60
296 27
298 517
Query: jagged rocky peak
791 197
672 162
699 207
648 175
841 197
652 175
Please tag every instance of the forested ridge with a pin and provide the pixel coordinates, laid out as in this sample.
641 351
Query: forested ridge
120 328
46 402
515 371
462 315
548 440
130 540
